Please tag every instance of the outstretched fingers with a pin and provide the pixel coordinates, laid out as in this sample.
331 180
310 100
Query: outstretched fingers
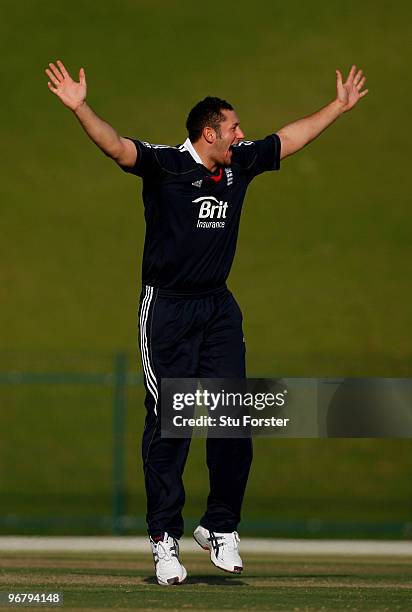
60 83
58 75
361 83
358 77
351 75
52 77
63 69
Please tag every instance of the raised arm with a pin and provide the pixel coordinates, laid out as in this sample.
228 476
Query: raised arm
73 96
296 135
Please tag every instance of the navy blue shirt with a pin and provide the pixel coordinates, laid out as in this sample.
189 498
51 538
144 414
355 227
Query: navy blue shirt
192 215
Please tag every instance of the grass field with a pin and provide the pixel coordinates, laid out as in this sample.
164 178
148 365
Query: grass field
100 581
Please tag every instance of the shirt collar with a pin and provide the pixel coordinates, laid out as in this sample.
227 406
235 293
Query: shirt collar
189 147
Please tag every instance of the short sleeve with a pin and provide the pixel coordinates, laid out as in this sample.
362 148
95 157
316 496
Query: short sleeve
147 165
257 156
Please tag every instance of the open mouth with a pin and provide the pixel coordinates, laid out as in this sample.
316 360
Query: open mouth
229 152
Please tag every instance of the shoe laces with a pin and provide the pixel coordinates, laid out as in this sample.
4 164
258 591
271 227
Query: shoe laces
166 550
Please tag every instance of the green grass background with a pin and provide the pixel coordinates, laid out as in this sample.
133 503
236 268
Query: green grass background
323 266
270 582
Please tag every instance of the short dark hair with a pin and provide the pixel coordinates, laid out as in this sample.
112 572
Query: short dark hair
206 113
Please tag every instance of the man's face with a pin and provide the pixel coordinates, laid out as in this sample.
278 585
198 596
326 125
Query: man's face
230 134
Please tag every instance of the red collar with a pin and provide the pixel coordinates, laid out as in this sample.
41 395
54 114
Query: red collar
216 178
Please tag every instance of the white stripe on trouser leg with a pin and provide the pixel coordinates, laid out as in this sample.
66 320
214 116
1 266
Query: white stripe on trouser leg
142 327
150 379
144 348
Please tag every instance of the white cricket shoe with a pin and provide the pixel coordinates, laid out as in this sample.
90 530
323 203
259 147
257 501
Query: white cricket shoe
169 570
223 547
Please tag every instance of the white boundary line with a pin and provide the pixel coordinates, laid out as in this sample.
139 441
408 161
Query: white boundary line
248 545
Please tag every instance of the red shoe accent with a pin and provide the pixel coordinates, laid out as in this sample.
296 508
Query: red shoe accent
158 538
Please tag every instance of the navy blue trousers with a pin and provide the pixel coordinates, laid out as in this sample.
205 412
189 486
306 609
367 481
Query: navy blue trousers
183 337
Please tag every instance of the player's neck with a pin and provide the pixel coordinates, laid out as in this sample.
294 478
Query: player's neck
204 155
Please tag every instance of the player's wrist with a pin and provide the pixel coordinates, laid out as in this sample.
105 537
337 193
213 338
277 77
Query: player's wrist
339 106
77 109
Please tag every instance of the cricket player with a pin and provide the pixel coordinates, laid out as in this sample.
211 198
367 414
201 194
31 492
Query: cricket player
189 322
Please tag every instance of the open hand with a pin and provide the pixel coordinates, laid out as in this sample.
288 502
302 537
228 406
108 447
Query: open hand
350 92
71 93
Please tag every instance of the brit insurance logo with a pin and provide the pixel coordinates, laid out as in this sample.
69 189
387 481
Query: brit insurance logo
212 212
